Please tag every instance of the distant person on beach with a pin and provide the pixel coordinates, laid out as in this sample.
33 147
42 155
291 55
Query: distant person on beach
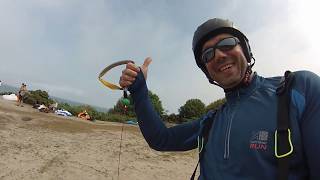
22 94
0 82
267 129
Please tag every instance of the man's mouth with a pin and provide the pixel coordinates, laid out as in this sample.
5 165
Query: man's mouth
225 67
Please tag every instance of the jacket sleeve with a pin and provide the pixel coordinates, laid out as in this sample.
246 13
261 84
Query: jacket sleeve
310 125
178 138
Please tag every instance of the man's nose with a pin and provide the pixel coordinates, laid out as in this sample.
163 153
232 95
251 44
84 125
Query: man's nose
219 55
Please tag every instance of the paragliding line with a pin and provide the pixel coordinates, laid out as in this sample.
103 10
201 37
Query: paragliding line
125 101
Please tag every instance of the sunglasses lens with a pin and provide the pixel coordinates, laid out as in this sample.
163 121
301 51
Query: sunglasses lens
208 55
224 45
227 44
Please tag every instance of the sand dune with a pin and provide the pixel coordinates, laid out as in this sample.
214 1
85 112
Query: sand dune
36 145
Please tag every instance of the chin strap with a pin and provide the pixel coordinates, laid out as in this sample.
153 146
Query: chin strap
247 77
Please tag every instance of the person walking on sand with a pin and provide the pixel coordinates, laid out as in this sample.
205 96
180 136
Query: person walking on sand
244 135
21 94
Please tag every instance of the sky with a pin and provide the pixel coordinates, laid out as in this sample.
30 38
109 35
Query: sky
61 46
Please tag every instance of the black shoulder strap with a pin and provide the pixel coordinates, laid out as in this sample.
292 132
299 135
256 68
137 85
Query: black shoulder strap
283 145
202 140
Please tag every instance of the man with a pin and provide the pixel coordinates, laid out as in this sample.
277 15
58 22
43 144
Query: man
21 94
241 139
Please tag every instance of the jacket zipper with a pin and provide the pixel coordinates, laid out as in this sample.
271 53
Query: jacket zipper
228 131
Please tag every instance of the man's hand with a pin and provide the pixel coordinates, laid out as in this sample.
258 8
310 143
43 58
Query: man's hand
131 71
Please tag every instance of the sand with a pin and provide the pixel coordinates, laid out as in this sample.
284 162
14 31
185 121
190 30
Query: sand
37 146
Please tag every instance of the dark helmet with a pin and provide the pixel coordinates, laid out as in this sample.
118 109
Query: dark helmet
214 27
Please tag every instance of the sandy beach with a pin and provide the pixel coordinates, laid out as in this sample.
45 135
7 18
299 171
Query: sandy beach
36 145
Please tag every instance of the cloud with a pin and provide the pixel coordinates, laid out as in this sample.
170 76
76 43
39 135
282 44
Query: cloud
63 45
288 43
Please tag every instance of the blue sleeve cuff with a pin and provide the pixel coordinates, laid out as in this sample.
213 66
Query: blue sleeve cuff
138 84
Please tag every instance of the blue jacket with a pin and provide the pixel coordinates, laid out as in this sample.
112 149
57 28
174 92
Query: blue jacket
241 141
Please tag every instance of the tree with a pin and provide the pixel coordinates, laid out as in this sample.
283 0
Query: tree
172 118
39 97
216 104
157 104
119 107
192 109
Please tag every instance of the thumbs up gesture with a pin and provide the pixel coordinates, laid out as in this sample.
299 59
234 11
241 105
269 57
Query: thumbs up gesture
131 71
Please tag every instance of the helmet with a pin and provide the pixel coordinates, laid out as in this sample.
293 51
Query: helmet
212 28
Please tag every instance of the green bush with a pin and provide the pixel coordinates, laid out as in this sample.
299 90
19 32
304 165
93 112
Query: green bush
116 118
75 110
216 104
192 109
38 97
172 118
95 115
119 107
156 102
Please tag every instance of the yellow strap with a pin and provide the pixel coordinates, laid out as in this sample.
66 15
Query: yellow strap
105 70
276 146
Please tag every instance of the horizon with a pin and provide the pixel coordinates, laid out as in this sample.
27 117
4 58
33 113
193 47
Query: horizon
61 46
11 88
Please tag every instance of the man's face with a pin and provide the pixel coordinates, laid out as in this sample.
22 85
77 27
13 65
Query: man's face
227 67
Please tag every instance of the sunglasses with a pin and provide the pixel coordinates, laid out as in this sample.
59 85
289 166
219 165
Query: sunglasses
224 45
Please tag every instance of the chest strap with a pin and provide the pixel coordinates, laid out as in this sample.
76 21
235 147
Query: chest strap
203 139
283 146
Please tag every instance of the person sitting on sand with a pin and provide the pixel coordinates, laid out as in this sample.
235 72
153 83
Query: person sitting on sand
84 115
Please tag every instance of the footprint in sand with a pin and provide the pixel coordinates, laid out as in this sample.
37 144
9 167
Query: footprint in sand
26 118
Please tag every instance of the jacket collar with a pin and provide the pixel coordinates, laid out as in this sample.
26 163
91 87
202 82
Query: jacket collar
244 91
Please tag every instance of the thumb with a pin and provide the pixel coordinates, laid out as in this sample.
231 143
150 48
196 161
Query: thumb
146 63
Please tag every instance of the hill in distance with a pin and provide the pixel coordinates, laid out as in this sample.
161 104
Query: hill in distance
8 88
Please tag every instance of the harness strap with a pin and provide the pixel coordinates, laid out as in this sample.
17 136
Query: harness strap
195 170
283 144
202 141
